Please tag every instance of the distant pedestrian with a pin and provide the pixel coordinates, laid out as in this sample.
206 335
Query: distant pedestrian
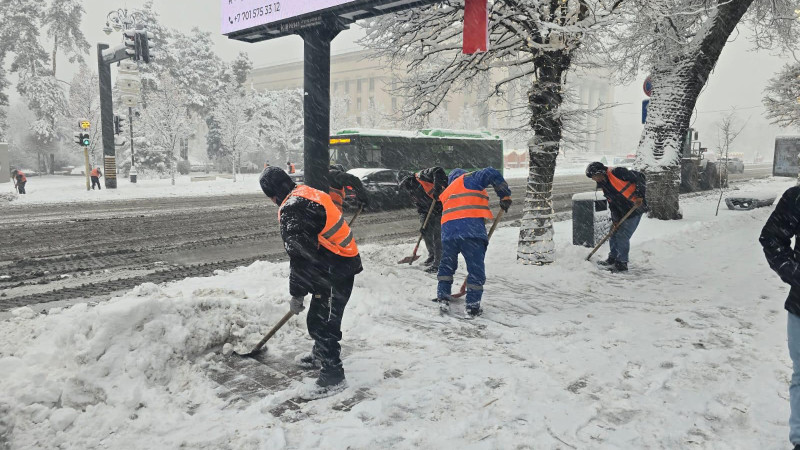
776 239
290 167
266 164
424 187
96 174
623 190
465 209
20 180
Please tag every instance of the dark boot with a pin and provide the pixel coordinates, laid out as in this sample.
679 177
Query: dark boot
330 377
619 267
473 312
432 269
607 263
307 361
428 261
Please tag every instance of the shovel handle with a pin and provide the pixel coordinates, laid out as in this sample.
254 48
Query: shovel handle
355 216
611 233
424 225
274 330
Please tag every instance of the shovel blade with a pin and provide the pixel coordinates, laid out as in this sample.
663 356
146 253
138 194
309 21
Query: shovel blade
408 259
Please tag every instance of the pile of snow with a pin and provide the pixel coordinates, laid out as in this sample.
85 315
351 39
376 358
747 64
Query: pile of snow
685 351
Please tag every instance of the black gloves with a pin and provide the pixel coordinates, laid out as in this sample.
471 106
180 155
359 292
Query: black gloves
505 203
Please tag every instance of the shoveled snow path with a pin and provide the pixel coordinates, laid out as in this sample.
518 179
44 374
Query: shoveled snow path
685 351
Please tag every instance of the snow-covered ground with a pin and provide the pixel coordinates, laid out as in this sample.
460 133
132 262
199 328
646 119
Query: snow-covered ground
686 351
61 189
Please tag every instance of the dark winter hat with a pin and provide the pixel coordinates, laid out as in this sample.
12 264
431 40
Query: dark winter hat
454 174
275 182
595 168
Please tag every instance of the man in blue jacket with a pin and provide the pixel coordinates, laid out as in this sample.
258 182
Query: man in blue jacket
465 205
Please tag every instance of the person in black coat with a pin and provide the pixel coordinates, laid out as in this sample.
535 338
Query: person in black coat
314 269
424 187
340 180
623 189
776 240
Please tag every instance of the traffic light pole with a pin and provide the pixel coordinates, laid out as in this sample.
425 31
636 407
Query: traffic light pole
133 173
317 103
107 119
86 158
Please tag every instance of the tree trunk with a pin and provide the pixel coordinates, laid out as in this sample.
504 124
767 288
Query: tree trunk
536 244
55 52
677 83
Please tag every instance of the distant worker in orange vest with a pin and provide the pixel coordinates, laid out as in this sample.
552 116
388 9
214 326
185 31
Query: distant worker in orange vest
323 261
266 164
340 181
20 180
290 167
465 209
623 190
96 174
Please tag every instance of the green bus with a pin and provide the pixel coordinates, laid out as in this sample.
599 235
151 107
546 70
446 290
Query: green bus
414 150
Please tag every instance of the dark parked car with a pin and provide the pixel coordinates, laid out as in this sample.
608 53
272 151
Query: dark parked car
383 187
735 165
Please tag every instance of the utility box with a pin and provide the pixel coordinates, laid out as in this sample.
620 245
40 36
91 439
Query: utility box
591 219
5 166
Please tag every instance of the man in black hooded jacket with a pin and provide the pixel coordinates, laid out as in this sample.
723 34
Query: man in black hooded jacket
776 239
425 187
323 261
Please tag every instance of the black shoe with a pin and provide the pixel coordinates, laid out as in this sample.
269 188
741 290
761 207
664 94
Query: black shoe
330 378
428 261
432 269
472 313
619 267
607 263
307 361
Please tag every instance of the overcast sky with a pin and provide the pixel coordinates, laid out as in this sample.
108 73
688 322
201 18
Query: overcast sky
737 82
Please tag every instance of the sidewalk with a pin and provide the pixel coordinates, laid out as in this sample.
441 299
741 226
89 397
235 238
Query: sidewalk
686 351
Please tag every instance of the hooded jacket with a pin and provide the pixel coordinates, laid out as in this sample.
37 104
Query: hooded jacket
776 239
301 222
421 199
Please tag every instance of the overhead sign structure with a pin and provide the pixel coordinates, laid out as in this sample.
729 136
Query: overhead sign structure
259 20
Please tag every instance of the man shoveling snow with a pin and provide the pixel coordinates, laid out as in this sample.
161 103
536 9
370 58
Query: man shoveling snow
324 260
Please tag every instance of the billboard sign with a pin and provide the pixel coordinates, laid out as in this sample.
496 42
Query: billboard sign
787 151
258 20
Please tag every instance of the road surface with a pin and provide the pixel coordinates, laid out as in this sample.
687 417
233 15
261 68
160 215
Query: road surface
69 252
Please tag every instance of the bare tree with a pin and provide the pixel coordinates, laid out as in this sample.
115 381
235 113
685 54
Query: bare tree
280 120
167 118
782 97
727 132
534 42
679 42
238 127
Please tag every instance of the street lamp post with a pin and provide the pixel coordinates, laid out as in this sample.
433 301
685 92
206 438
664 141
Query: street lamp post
122 20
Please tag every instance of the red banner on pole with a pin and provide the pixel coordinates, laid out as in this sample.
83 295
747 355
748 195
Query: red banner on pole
476 26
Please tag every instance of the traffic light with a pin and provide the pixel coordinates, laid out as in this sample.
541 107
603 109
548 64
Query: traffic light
131 40
82 139
119 122
145 45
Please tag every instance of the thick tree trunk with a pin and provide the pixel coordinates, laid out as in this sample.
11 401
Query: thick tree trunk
536 244
677 83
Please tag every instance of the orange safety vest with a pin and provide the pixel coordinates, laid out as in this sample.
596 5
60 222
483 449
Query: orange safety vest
337 195
291 168
428 187
336 236
626 188
95 172
458 202
20 174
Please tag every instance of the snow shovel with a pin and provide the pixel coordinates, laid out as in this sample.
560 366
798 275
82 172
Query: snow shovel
355 216
463 289
257 349
611 233
414 257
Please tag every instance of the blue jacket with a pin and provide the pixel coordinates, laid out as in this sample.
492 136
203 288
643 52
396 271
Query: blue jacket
480 180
